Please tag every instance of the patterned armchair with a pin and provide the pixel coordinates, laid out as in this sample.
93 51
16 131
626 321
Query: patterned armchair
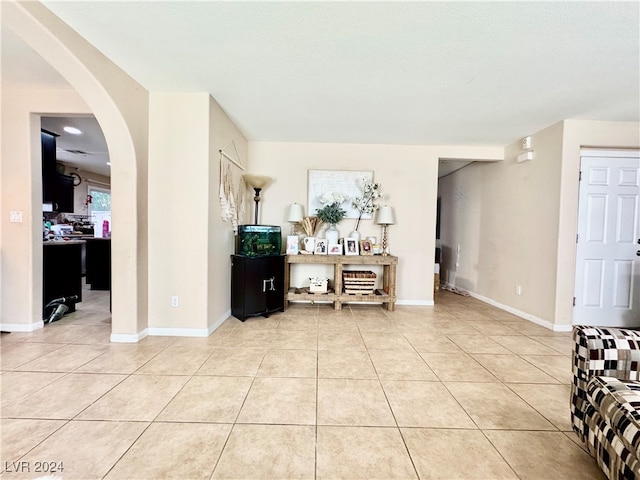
605 398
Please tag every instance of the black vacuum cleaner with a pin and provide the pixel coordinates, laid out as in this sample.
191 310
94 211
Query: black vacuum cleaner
55 309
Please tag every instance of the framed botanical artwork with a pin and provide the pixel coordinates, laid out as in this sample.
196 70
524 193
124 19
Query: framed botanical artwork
292 245
335 249
351 246
365 247
321 246
346 182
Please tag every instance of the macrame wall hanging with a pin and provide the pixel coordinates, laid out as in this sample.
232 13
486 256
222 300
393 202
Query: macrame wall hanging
231 192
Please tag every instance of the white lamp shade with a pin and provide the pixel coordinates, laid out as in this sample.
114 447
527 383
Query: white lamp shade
385 216
257 181
296 213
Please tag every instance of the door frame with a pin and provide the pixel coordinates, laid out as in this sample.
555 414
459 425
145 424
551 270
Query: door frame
593 153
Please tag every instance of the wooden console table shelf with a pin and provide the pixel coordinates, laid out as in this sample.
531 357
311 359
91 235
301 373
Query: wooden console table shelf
386 295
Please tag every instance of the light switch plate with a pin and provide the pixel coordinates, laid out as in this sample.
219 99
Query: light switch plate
15 216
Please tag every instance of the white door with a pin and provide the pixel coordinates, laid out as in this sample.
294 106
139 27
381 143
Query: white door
607 289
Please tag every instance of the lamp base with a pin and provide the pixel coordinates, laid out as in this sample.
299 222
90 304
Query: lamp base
385 233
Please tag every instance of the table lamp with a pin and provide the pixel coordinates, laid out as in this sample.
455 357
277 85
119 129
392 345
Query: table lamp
257 182
296 214
385 218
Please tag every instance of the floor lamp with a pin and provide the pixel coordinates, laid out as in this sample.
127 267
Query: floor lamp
258 183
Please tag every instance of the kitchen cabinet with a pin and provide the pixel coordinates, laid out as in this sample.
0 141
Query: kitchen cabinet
48 142
386 295
257 285
98 263
57 189
62 271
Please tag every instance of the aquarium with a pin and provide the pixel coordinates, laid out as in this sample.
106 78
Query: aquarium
259 240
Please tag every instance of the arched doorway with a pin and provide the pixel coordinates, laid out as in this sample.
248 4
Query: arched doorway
121 107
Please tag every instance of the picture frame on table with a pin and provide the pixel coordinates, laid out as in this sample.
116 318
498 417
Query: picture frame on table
335 249
321 246
351 246
293 247
365 247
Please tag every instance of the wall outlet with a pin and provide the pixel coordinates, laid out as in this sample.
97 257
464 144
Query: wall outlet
175 301
518 289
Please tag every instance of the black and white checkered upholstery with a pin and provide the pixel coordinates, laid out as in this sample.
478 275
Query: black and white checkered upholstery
605 397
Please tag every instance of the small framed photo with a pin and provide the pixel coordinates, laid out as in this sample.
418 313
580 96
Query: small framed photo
365 247
292 245
351 246
321 246
377 249
335 249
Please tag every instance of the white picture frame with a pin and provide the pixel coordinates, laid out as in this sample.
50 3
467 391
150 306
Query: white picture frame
322 246
335 249
351 246
293 247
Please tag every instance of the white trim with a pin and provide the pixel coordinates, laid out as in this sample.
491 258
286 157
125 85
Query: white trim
600 152
527 316
419 303
178 332
22 327
129 337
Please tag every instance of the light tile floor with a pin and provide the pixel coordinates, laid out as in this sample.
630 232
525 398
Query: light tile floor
460 390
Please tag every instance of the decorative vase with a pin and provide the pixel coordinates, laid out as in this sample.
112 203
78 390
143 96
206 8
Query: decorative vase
355 234
332 234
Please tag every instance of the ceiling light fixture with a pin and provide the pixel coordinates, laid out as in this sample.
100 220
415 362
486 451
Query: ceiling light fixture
109 163
73 130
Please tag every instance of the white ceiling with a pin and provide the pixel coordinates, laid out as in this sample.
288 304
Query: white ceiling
86 152
457 73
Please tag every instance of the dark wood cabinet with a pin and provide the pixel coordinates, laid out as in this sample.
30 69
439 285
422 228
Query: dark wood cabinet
63 200
257 285
48 141
57 189
62 271
98 263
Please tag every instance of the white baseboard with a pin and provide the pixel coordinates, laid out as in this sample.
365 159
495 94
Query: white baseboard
169 332
178 332
21 327
422 303
129 337
521 314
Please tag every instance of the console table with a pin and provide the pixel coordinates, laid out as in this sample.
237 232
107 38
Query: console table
386 295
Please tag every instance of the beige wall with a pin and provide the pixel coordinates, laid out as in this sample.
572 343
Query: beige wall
504 216
189 244
221 238
178 196
409 182
516 223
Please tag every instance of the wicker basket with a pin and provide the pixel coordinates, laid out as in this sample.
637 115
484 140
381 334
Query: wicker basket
358 282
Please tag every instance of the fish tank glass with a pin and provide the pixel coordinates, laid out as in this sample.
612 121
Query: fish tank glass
259 240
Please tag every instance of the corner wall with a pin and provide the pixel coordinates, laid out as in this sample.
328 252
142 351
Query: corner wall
504 217
516 224
221 242
189 244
